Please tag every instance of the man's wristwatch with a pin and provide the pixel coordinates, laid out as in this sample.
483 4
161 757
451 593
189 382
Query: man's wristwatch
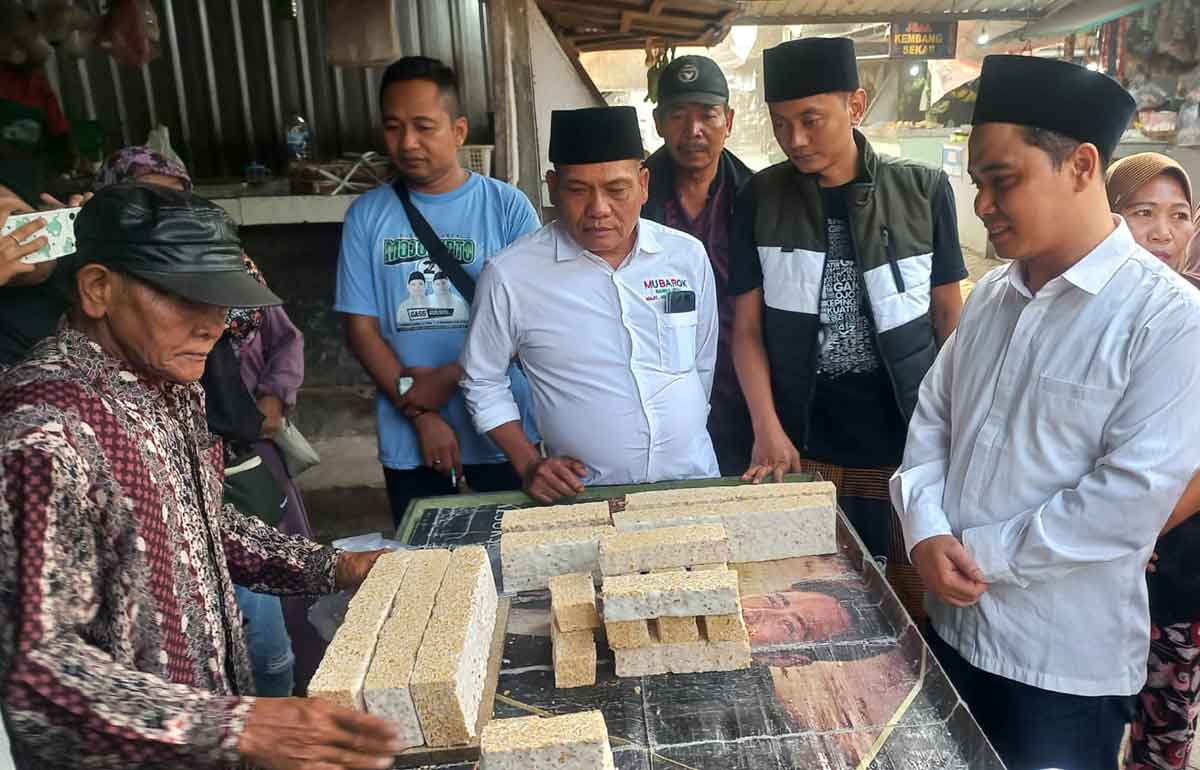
403 385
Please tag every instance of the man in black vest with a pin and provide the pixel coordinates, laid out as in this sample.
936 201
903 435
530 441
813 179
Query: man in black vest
847 267
693 183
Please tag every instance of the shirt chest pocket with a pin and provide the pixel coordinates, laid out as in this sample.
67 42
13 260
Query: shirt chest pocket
1072 416
677 341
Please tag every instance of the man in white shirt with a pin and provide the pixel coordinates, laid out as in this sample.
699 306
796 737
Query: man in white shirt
1055 431
613 319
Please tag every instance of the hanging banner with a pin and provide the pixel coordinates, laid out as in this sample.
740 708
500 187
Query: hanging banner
921 40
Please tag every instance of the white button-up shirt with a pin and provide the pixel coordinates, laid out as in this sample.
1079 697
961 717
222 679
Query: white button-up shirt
1053 436
618 383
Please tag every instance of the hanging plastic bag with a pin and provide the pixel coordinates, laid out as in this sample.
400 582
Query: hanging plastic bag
361 33
1188 134
159 140
130 33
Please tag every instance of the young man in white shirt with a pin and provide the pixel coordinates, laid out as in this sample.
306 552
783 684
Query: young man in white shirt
1055 431
614 321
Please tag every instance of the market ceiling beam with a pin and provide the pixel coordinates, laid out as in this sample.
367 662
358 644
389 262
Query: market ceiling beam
622 24
891 16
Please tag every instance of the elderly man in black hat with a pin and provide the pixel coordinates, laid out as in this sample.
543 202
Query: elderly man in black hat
694 180
121 644
847 265
613 318
1055 432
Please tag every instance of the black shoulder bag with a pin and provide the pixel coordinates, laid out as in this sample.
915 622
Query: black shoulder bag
434 246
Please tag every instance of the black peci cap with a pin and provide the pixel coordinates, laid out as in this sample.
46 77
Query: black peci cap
595 135
802 68
1056 96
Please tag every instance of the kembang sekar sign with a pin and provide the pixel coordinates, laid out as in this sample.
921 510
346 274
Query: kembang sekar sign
920 40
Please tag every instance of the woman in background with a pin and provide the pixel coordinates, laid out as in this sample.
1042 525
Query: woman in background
1154 195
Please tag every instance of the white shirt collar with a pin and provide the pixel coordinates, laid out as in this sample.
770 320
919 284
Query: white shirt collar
1094 271
567 248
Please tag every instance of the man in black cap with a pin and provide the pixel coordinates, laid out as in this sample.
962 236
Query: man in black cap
847 265
1055 432
693 183
121 643
613 319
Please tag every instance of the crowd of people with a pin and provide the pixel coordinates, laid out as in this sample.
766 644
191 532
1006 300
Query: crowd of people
1024 466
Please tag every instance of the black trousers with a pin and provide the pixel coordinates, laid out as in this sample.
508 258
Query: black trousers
405 486
1035 729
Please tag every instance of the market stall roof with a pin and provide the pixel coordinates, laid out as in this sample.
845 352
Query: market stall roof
614 24
827 12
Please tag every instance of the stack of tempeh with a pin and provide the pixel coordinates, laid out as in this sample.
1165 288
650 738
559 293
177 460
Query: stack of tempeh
570 742
763 522
573 620
537 544
683 616
415 643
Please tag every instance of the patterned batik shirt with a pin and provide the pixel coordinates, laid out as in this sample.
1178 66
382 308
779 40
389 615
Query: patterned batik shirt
120 640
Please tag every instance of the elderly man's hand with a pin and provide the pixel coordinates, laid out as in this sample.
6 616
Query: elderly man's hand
303 734
353 567
549 478
949 571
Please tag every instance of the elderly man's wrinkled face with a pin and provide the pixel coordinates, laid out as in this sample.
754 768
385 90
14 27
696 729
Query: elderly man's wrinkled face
159 335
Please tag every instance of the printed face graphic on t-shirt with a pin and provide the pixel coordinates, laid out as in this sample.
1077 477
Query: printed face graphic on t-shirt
431 302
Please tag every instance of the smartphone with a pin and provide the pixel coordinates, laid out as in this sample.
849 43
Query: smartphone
59 232
681 301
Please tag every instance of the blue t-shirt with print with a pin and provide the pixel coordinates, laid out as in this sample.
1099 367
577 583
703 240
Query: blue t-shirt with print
384 271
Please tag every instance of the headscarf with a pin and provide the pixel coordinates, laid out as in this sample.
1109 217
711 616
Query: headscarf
131 163
1128 175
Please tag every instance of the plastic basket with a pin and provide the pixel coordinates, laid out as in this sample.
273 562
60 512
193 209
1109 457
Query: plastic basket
477 157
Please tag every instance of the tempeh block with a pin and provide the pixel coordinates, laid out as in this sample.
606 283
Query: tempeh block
387 692
677 630
626 634
448 678
680 498
339 678
688 658
623 553
724 628
529 559
569 742
573 602
758 529
574 657
674 594
556 517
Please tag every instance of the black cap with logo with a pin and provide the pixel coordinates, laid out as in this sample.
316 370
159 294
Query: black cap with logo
694 79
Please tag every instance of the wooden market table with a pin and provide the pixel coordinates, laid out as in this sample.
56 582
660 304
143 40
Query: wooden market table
841 678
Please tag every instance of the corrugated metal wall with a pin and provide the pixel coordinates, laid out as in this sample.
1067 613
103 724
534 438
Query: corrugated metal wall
231 72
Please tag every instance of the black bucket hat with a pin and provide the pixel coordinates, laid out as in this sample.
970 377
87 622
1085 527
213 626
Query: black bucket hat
176 241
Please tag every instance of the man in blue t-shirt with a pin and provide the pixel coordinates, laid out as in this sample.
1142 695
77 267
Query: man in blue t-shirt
405 319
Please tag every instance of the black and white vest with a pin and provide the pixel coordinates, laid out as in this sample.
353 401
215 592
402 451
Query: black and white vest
891 224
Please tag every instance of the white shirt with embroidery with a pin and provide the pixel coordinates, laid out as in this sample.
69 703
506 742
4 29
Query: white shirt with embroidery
1054 435
618 383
